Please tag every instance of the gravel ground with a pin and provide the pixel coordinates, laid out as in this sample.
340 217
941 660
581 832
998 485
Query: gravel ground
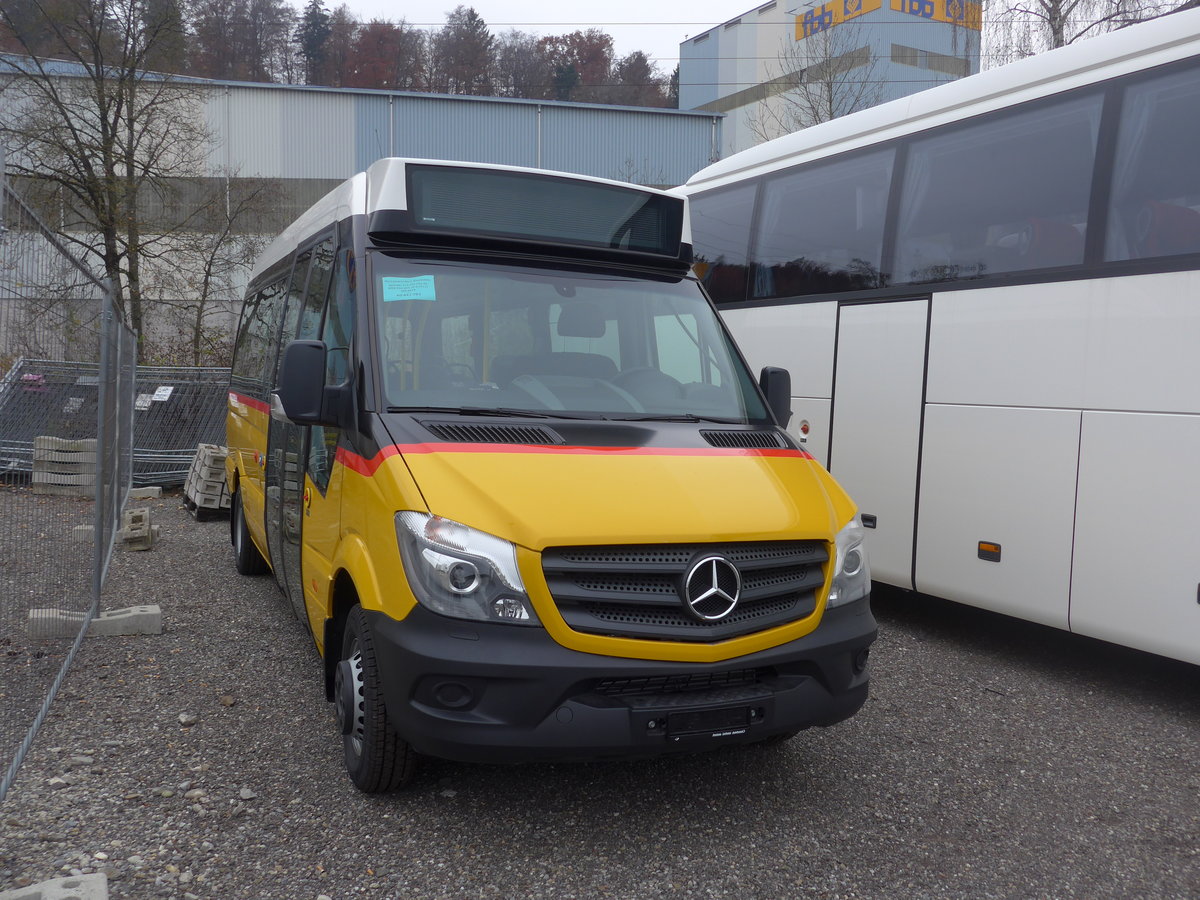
41 567
994 759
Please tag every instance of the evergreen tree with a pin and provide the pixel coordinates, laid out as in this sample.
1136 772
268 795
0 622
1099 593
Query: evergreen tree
312 36
165 36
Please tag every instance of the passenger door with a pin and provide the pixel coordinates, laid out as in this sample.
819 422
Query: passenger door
876 432
322 499
288 442
279 469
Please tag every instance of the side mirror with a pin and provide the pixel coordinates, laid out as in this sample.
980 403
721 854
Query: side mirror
300 394
776 385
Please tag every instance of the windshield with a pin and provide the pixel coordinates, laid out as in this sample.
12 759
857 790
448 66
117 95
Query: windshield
503 340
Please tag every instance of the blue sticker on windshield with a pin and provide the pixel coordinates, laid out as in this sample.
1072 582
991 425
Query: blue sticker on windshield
419 287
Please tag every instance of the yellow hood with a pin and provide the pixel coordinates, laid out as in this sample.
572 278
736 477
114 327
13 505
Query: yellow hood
562 496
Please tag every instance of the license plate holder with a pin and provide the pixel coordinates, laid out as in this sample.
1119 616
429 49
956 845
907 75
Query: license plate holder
712 722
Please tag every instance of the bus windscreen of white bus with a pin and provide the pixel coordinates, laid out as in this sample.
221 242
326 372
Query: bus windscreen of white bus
555 343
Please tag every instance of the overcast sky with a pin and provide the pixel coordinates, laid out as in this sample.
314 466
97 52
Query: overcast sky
654 26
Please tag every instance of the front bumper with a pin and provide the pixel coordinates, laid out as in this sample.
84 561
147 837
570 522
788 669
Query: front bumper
498 693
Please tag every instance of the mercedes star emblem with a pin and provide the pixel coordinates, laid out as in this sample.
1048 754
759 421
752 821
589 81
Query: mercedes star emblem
711 589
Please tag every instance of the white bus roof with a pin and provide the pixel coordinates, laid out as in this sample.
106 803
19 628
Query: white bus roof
1172 37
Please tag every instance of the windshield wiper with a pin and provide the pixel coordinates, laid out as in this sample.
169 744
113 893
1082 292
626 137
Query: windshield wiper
505 411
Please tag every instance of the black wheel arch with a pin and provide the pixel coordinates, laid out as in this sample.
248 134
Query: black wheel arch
345 598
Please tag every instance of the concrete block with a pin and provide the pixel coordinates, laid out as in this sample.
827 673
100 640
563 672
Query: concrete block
140 537
131 620
62 623
137 533
53 623
206 472
145 493
136 517
83 534
211 454
75 887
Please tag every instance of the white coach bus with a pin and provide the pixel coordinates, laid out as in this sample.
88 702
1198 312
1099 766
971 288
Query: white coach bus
988 295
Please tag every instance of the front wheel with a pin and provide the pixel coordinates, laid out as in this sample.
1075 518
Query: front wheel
377 758
247 558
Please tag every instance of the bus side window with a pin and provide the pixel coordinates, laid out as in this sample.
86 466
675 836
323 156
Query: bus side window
291 313
247 358
1155 207
336 331
1028 179
820 228
720 238
256 342
314 293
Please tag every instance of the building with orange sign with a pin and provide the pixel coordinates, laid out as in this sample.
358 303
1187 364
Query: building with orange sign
767 68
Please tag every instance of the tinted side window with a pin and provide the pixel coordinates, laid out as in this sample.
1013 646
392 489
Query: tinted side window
323 443
1003 195
243 349
256 340
821 228
336 333
721 239
1155 209
314 293
339 322
291 315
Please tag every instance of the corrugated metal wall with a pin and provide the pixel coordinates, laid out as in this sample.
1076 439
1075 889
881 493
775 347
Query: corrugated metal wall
643 147
290 132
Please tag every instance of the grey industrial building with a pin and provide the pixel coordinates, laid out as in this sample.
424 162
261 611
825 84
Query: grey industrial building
300 141
308 139
311 138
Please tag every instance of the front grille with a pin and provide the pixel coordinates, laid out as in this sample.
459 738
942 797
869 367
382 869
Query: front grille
676 684
637 591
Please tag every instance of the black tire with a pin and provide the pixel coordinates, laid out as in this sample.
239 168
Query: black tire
246 556
377 759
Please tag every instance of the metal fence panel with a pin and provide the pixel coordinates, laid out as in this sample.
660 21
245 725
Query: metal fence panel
173 410
59 514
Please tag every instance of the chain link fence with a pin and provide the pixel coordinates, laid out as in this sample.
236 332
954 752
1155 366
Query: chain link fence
66 462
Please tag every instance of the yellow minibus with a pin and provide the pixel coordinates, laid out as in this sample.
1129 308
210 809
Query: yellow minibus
494 443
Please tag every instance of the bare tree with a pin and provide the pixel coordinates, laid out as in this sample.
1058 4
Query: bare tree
107 146
521 68
248 40
1020 28
581 63
265 48
195 298
388 55
826 75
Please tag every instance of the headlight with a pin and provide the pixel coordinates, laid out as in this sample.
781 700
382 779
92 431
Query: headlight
458 571
851 570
